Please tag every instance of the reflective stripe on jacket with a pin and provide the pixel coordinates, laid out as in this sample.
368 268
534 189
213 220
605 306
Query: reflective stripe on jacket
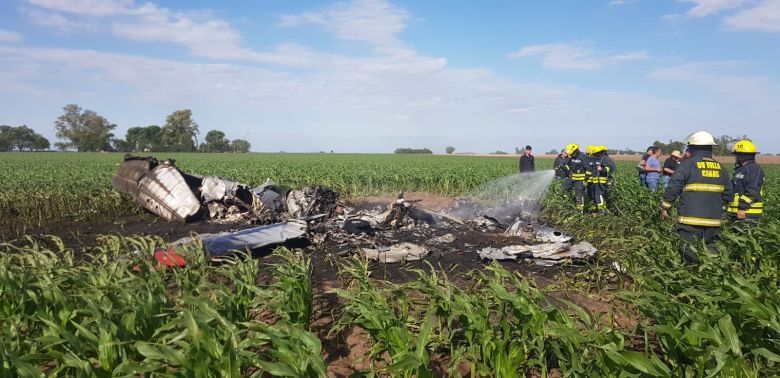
607 168
748 182
704 189
578 167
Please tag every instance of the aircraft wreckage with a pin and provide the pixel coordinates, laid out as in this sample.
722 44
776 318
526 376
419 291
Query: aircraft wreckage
271 215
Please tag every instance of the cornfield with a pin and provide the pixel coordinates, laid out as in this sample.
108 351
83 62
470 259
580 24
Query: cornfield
83 312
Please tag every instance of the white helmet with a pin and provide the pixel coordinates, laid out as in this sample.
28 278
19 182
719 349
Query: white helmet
701 138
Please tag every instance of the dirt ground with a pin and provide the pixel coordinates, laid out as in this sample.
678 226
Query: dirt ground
347 352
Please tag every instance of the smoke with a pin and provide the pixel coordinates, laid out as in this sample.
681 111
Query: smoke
506 198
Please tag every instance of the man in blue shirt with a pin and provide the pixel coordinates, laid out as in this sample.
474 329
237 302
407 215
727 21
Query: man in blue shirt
653 169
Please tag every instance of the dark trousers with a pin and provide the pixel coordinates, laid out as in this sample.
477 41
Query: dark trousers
579 194
567 184
691 236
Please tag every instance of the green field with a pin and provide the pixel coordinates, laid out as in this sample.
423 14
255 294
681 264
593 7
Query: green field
71 315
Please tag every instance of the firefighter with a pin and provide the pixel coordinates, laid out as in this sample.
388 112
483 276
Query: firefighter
590 184
601 179
578 172
704 189
561 172
748 180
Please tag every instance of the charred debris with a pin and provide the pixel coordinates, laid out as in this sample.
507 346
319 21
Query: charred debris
401 231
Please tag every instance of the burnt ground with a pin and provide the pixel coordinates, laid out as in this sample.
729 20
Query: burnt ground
346 352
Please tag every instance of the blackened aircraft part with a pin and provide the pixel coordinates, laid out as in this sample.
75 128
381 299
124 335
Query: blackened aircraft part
421 216
355 226
310 201
531 231
159 187
249 239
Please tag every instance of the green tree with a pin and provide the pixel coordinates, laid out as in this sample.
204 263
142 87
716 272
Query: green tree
216 142
240 145
84 130
5 137
180 132
121 145
144 138
21 138
667 148
449 150
40 143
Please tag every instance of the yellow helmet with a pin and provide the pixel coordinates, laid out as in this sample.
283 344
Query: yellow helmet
744 146
570 148
589 150
597 149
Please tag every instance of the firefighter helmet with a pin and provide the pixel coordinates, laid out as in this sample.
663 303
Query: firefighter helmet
570 148
744 147
701 138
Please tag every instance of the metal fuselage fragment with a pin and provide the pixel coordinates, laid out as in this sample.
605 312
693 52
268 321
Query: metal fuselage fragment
159 187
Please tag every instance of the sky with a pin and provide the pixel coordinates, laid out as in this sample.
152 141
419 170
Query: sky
375 75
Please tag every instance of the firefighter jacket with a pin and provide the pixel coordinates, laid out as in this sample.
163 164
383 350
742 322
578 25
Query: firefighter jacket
607 165
561 166
748 184
704 189
578 166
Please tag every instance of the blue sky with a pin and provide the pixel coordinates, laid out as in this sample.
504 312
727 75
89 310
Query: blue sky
373 75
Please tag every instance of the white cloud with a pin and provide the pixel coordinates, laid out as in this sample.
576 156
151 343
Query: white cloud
763 17
704 8
9 36
561 56
147 22
52 20
622 2
721 78
92 8
373 21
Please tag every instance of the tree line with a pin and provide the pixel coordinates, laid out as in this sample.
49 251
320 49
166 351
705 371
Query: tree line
22 138
86 130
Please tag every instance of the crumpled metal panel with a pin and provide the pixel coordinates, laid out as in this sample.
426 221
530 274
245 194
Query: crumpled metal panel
218 189
164 192
126 178
252 238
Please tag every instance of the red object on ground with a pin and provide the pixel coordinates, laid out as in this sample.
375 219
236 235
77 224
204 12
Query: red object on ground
169 258
165 258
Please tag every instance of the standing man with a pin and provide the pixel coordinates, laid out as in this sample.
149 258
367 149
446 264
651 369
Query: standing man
527 161
653 169
641 166
578 172
704 189
670 164
601 179
748 203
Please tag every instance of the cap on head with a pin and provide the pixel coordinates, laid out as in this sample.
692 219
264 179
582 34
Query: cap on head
676 154
570 148
744 147
701 138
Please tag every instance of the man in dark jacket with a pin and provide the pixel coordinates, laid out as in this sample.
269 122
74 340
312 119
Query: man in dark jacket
527 161
559 165
748 180
704 189
603 168
579 174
